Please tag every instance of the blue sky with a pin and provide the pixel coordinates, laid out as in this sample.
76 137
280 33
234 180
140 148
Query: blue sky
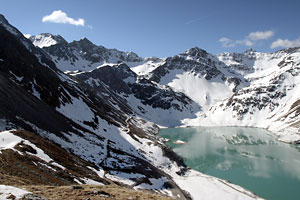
163 27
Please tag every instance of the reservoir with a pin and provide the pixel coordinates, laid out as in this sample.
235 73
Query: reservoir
249 157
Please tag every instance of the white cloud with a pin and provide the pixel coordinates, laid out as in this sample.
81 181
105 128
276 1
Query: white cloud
245 42
59 16
27 35
248 40
226 42
285 43
261 35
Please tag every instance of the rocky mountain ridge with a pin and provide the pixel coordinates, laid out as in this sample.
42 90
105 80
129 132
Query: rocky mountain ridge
95 125
80 55
220 84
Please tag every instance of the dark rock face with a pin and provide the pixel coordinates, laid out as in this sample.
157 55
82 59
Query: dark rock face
20 74
19 62
111 76
122 79
165 98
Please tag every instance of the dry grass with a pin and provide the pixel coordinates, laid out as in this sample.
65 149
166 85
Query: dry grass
92 192
31 170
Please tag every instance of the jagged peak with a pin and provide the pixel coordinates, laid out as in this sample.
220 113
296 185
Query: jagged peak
83 42
249 51
133 55
57 37
44 34
195 51
46 40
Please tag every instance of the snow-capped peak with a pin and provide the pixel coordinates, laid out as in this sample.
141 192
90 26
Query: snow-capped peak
46 40
195 51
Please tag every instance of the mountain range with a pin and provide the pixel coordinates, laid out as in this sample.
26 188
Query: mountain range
102 108
230 89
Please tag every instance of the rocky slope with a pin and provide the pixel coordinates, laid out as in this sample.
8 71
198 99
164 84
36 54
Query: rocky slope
94 126
148 99
270 101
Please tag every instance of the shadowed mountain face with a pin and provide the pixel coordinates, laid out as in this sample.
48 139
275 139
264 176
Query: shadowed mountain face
32 91
97 126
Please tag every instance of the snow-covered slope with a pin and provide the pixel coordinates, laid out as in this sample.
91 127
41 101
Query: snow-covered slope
147 66
199 75
270 101
46 40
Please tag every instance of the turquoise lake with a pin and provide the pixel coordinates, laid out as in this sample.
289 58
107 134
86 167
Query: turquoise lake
248 157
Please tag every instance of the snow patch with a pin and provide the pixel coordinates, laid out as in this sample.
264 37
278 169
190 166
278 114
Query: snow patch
78 110
8 141
7 191
202 186
43 41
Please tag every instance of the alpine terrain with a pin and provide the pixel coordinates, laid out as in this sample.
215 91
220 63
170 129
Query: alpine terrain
77 113
251 88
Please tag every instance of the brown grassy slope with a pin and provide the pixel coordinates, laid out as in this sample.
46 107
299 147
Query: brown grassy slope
35 171
92 192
